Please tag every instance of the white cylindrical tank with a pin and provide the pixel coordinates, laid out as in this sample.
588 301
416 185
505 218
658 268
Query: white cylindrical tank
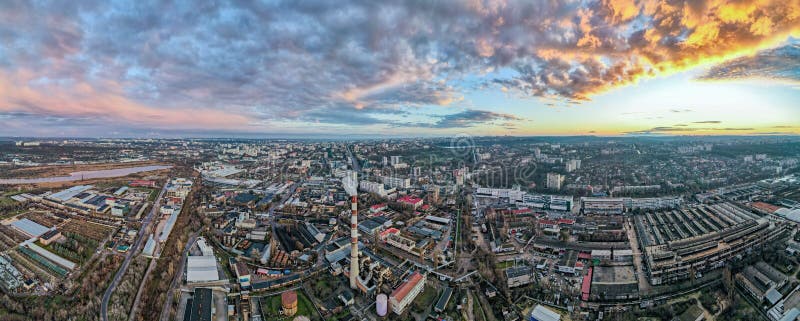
381 304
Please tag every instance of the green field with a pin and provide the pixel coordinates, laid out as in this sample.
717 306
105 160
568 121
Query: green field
7 205
425 300
504 265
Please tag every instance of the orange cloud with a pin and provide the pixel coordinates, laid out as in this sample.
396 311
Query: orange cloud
685 34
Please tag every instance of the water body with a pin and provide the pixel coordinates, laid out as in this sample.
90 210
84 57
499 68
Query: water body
106 173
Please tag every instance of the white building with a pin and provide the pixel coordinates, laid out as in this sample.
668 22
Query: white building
201 269
206 249
396 182
374 187
554 181
573 165
406 292
541 313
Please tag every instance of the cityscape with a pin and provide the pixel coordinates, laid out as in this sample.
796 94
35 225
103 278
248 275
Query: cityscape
400 160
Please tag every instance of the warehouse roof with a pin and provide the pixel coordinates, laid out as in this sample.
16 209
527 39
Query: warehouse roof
29 227
540 313
201 269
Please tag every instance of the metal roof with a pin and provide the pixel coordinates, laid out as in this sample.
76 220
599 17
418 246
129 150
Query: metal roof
30 227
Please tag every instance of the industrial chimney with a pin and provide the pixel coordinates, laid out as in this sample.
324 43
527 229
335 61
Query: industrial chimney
351 187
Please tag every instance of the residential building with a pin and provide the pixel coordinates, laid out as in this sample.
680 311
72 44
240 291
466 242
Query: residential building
554 181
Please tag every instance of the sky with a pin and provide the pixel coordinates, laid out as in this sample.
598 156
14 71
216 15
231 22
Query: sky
185 68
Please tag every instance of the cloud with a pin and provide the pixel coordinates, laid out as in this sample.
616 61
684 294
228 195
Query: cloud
236 65
782 63
471 118
707 122
672 129
680 110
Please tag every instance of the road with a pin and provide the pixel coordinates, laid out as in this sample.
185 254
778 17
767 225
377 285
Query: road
131 253
178 276
353 159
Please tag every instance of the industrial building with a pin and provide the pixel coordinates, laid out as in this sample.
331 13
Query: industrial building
242 273
406 292
602 205
690 240
568 263
762 281
29 228
201 306
612 255
201 269
441 304
519 276
613 283
541 313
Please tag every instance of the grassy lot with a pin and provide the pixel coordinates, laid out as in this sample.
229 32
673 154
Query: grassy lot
425 300
6 201
153 195
504 265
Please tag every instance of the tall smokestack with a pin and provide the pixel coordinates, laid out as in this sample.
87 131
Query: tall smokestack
351 186
353 241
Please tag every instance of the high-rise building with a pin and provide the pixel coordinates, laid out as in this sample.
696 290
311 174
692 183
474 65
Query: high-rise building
395 160
396 182
433 192
573 165
554 181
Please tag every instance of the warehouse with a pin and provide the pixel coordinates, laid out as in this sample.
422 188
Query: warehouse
29 228
519 276
611 283
51 257
697 239
201 269
200 307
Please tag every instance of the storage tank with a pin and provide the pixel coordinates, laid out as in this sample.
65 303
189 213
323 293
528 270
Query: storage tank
381 304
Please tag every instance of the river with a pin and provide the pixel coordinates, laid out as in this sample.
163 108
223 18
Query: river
106 173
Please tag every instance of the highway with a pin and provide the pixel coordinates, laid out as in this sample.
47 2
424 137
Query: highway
131 253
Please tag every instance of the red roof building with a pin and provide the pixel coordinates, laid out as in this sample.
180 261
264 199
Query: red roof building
413 201
522 211
586 286
564 221
769 208
388 231
377 208
405 294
